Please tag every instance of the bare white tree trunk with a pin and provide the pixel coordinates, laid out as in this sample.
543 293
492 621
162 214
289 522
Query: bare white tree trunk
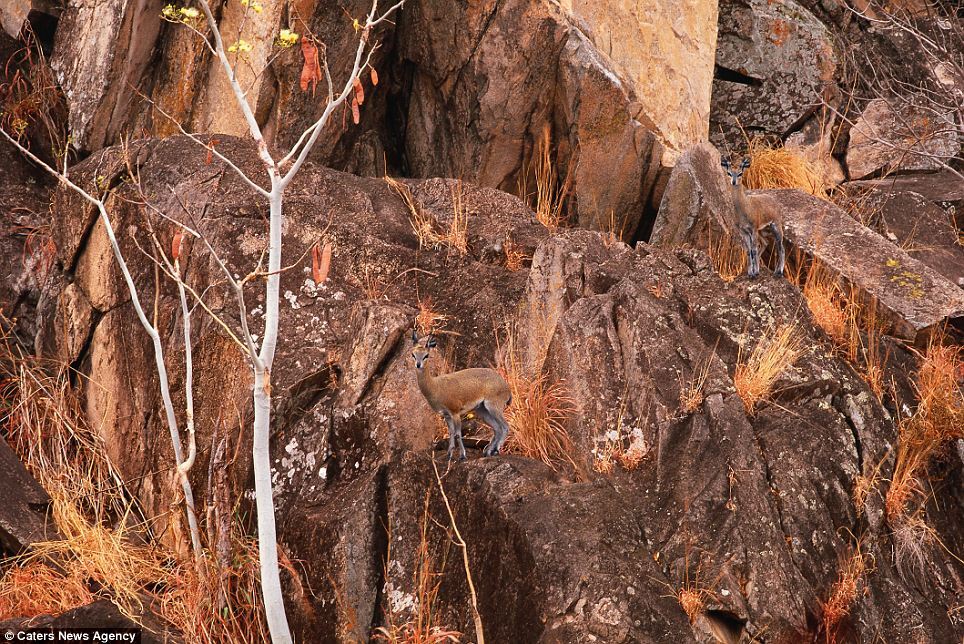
274 607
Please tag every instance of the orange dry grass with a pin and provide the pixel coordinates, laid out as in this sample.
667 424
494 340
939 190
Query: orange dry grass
35 588
456 237
729 259
693 594
826 303
424 226
780 167
421 627
218 604
538 412
844 593
549 198
102 540
691 394
850 321
428 319
938 421
514 257
773 354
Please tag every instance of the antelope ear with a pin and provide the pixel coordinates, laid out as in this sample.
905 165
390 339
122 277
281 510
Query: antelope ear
414 336
746 162
431 344
725 163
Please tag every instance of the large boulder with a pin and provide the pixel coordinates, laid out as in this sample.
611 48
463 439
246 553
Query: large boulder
23 516
491 83
921 227
774 61
667 57
890 137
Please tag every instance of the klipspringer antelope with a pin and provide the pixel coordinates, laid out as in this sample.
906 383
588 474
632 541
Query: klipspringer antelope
753 214
482 391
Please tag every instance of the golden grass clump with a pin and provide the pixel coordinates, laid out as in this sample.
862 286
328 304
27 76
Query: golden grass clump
423 224
456 237
782 167
728 256
514 256
104 549
429 320
773 354
826 303
691 394
844 592
538 411
31 588
937 422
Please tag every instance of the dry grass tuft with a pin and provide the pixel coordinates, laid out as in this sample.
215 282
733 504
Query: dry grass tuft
849 319
781 167
691 394
421 627
423 224
30 100
456 237
728 257
514 257
105 550
826 303
538 412
936 424
844 592
550 196
31 588
428 231
693 594
773 354
428 319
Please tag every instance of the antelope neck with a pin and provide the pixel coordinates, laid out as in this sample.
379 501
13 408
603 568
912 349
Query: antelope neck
426 383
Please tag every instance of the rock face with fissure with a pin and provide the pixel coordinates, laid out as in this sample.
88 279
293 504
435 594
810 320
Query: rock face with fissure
468 91
757 510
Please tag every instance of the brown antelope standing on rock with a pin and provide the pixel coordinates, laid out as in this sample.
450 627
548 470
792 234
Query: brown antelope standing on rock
753 214
482 391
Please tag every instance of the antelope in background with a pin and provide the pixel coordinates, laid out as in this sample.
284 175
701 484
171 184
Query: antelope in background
482 391
753 214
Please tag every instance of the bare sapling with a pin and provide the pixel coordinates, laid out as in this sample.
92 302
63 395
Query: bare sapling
280 171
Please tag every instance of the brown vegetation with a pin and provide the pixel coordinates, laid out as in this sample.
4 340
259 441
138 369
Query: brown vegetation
758 372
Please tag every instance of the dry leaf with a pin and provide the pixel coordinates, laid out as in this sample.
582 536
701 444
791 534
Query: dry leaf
359 91
374 77
355 114
320 263
211 150
176 244
311 72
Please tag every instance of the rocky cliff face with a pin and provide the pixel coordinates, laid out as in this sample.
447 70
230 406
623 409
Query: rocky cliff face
679 513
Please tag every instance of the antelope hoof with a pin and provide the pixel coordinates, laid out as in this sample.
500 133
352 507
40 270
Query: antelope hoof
779 274
463 458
